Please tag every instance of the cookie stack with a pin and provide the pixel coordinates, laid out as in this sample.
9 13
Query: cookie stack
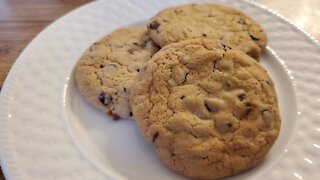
193 83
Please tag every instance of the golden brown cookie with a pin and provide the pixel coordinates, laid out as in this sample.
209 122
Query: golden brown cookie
212 21
106 70
210 111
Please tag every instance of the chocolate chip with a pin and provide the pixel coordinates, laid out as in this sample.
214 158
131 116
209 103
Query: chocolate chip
212 105
101 66
182 97
154 25
204 35
205 157
225 47
154 137
135 43
124 89
229 124
105 99
130 114
242 21
185 77
225 125
249 109
194 136
253 37
130 51
227 86
114 116
208 107
269 82
241 96
178 11
138 70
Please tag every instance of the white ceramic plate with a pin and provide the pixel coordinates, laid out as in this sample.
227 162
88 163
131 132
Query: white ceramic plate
48 131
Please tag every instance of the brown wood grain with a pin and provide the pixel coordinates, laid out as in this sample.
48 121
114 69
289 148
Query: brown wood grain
21 21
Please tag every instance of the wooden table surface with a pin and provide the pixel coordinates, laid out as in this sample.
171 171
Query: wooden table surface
22 20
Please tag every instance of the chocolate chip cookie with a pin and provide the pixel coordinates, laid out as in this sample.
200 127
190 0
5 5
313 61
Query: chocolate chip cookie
211 111
106 70
212 21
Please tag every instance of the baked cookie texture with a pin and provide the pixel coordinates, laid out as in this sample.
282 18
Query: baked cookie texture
212 21
210 110
106 70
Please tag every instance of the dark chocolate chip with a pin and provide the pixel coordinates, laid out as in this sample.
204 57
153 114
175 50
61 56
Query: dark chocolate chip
105 98
155 136
229 124
135 43
194 136
253 37
241 96
225 47
114 116
249 109
185 77
130 51
154 25
101 66
205 157
124 89
130 114
138 70
269 82
227 86
208 107
182 97
204 35
242 21
178 11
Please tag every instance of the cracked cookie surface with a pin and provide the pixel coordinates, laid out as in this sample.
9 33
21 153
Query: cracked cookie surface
106 70
211 111
215 22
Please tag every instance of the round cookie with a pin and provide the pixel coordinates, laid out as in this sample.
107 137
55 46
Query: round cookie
212 21
106 70
210 111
